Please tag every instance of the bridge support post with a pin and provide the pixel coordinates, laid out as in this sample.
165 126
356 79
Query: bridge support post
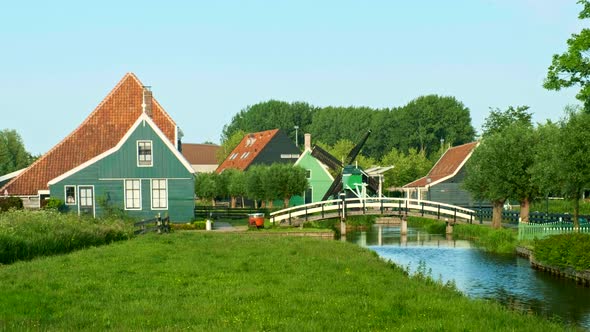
404 226
449 229
343 215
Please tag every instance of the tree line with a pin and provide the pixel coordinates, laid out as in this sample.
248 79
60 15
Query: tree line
260 183
419 125
518 160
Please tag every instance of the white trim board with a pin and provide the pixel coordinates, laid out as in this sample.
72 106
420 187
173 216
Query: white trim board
143 117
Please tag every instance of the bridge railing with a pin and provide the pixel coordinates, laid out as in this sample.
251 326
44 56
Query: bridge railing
383 206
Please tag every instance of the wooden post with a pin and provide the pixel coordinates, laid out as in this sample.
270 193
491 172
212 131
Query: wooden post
343 216
404 226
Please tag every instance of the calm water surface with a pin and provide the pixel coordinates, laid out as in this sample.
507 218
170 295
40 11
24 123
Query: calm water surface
507 279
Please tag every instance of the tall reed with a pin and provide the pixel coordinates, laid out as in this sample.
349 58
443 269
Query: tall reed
28 234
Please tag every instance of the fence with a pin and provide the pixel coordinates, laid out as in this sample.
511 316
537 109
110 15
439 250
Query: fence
216 212
534 217
539 231
157 224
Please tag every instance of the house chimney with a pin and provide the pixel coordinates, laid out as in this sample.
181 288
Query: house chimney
147 100
307 141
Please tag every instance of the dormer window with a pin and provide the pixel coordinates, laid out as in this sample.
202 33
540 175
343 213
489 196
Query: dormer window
144 154
245 154
250 140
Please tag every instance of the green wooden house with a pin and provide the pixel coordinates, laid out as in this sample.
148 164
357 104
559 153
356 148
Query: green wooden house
124 155
144 174
318 176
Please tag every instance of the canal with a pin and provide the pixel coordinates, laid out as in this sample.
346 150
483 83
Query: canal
507 279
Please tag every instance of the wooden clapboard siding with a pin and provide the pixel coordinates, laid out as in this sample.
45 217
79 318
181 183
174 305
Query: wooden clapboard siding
107 175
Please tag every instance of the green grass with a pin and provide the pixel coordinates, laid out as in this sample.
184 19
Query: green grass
499 241
227 282
429 225
26 234
558 206
564 250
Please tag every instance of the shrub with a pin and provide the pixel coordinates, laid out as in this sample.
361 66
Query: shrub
565 250
11 202
54 204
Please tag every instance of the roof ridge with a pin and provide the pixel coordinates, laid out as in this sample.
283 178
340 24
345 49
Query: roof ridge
60 143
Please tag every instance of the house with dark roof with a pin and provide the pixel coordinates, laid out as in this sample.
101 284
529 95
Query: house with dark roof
444 181
124 155
261 148
202 157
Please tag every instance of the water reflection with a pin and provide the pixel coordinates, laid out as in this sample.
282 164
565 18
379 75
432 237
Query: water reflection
508 279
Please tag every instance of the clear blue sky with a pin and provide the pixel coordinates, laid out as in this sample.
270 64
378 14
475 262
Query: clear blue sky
207 60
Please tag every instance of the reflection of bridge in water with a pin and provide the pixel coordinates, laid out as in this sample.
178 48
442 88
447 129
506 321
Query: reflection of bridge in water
385 235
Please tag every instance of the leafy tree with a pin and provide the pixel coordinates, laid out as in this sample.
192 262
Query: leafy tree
565 157
13 155
207 186
515 127
229 144
332 124
427 119
572 68
271 114
236 185
500 168
498 120
407 167
285 180
255 189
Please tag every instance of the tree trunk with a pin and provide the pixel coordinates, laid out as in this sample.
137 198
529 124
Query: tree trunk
242 201
256 204
286 202
497 214
577 211
212 201
525 208
269 203
233 202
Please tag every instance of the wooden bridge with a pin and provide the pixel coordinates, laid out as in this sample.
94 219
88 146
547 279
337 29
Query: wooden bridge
384 206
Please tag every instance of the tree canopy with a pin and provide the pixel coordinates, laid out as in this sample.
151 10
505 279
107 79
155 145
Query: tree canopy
419 125
13 155
572 68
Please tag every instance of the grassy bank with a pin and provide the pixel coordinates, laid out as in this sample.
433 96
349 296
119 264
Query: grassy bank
499 241
27 234
565 250
203 281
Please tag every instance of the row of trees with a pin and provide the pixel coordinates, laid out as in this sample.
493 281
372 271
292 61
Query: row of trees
259 183
419 125
517 160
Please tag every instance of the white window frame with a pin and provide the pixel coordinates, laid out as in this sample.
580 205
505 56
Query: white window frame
152 194
139 162
93 199
125 194
306 172
75 202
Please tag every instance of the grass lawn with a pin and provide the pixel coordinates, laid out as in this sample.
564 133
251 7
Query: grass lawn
204 281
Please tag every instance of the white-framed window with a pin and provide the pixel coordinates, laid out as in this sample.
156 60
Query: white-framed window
308 174
145 154
159 194
70 195
133 194
86 197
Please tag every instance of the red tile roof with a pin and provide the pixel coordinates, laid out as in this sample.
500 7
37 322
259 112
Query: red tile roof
101 130
200 154
448 165
242 156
